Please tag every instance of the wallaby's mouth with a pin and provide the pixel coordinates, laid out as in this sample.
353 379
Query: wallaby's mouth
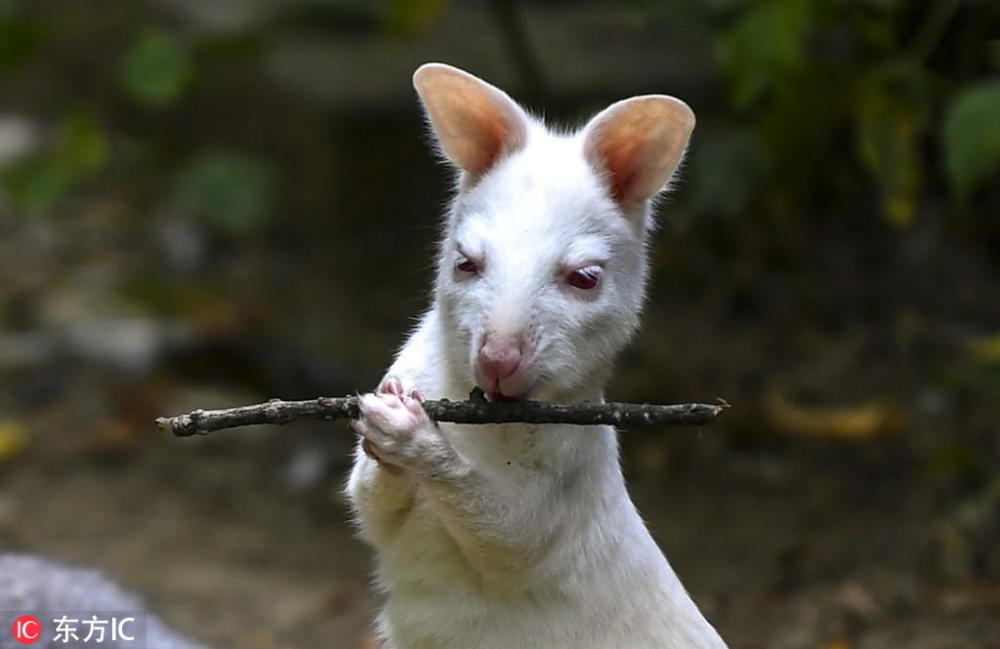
496 396
515 386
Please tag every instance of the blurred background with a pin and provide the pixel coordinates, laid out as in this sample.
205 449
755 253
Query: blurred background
212 203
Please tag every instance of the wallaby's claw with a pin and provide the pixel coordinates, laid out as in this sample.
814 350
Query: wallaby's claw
391 385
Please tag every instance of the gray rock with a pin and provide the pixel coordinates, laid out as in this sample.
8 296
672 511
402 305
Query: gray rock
46 589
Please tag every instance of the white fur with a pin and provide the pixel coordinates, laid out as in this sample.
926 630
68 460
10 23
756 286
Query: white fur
517 536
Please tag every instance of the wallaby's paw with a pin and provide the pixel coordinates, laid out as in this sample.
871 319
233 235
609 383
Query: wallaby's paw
397 431
391 385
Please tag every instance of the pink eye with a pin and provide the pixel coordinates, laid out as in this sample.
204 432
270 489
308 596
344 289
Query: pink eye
584 278
466 265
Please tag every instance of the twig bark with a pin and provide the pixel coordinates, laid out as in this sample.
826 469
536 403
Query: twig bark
474 411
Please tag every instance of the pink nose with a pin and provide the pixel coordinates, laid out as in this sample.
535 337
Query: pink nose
499 357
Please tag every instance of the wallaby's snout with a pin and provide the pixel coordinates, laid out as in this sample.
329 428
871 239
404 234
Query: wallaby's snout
500 366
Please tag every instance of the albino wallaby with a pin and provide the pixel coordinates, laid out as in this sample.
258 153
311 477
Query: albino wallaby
523 536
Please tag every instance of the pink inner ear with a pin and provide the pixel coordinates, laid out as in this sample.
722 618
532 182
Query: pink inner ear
481 130
475 123
620 154
637 143
492 132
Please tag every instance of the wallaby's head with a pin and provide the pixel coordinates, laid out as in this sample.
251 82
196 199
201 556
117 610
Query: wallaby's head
543 264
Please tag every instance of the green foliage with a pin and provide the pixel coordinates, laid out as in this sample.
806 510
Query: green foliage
20 37
808 74
233 192
764 45
410 16
972 137
156 70
986 350
79 150
890 119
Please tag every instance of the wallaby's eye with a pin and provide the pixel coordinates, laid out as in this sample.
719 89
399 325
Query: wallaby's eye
585 279
466 265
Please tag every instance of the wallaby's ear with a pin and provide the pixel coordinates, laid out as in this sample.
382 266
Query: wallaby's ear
637 144
475 122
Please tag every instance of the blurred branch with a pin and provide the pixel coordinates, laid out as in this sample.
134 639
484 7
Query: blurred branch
474 411
515 36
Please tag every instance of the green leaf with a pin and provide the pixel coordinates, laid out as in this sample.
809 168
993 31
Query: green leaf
232 192
38 182
156 70
986 349
890 106
35 184
81 145
763 46
972 137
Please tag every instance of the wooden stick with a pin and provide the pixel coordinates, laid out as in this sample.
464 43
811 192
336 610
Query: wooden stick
474 411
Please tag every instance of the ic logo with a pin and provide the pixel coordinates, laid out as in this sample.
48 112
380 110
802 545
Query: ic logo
27 629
